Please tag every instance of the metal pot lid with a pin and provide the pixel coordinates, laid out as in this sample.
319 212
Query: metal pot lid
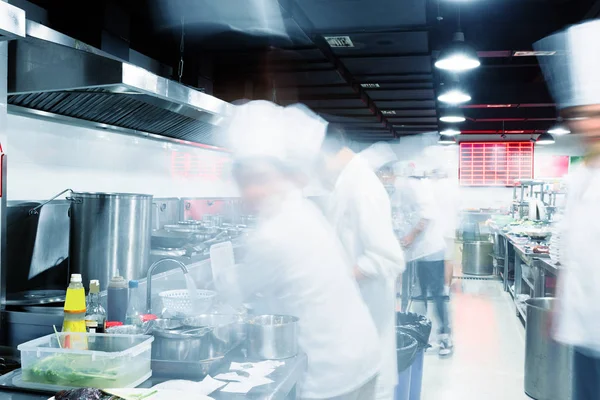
190 222
59 310
35 297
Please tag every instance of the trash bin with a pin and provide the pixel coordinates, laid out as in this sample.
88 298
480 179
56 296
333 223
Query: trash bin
419 327
406 350
548 364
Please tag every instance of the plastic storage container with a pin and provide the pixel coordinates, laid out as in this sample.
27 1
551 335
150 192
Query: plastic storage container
112 361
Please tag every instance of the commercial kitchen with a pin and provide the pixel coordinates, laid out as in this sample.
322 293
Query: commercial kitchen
115 178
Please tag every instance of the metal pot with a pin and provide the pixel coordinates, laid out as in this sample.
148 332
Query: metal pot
548 364
272 337
226 327
185 344
110 235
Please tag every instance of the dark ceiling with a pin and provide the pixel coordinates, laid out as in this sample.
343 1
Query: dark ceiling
383 87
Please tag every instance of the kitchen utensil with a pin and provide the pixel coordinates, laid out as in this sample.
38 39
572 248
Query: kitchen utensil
167 239
35 297
191 345
221 258
110 235
272 337
178 302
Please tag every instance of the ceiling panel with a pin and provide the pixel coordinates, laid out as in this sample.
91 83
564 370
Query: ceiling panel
423 94
413 113
399 104
356 15
347 111
388 65
410 120
373 78
335 103
349 120
397 43
309 78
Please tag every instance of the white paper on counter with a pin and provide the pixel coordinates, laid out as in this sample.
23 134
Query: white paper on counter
246 385
156 394
256 369
205 387
231 376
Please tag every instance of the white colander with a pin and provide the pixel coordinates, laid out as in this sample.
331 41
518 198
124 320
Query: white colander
178 302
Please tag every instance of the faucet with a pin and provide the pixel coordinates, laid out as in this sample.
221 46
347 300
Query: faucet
149 278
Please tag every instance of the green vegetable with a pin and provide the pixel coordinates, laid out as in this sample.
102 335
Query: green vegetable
73 370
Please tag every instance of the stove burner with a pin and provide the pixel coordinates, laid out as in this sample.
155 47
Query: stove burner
168 251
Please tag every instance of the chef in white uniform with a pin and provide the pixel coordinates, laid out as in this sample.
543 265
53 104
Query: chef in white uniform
294 259
573 77
359 210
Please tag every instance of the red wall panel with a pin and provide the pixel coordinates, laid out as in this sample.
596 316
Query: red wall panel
495 164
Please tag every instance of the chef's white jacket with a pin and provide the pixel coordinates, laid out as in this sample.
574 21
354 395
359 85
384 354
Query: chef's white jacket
296 262
578 319
359 210
414 198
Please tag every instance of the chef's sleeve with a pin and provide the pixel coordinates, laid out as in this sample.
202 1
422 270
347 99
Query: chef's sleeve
257 271
382 255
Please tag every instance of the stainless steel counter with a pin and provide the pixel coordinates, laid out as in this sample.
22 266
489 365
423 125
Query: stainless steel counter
285 379
549 266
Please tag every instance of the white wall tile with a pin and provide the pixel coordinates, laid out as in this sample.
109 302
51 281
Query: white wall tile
46 157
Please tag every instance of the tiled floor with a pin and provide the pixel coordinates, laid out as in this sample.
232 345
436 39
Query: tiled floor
489 341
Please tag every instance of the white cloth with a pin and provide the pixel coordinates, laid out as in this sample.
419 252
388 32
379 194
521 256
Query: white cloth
414 198
360 212
296 262
378 154
578 296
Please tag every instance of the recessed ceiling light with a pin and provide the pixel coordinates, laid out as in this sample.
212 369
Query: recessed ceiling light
446 140
458 56
559 130
544 139
531 53
450 132
370 85
452 115
454 96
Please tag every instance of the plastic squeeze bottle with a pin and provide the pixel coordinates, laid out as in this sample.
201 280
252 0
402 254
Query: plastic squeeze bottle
95 317
74 320
117 299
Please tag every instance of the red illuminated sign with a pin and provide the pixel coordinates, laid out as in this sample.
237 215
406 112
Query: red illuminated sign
196 165
495 164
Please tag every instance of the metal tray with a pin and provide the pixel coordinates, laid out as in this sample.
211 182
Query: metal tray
35 297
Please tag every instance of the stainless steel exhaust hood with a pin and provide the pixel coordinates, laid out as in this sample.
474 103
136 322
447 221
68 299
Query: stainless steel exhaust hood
56 74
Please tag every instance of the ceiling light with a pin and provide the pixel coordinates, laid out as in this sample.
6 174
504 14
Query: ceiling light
545 138
452 115
459 56
446 140
450 132
454 95
559 130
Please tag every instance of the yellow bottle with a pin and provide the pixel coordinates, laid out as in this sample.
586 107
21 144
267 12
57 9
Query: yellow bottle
75 315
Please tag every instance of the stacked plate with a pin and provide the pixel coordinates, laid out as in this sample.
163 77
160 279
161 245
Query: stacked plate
555 244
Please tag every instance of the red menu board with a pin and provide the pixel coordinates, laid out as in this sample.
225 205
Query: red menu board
495 163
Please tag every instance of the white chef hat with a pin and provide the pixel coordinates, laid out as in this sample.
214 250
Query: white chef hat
378 155
304 135
572 72
291 135
256 130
